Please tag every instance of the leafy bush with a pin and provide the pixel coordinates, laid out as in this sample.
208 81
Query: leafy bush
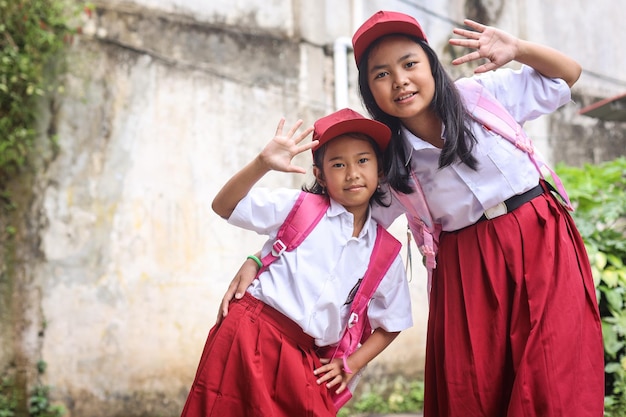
599 195
394 396
39 404
32 33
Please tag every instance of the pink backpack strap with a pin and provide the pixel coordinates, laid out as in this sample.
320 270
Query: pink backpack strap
303 217
423 228
385 251
489 112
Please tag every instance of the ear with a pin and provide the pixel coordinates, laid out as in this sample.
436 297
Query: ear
319 176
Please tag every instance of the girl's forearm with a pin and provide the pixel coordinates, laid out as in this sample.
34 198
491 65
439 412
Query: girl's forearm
548 61
372 347
238 186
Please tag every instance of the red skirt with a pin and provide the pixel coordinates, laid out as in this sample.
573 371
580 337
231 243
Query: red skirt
514 327
257 363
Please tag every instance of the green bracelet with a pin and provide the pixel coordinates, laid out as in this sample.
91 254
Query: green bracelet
256 259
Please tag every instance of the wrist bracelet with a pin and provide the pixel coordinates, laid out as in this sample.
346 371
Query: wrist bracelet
256 259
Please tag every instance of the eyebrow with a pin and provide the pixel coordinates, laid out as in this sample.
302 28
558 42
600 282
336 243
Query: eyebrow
402 58
344 157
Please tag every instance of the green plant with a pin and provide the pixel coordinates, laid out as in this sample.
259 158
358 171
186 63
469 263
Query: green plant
396 396
32 34
598 193
39 404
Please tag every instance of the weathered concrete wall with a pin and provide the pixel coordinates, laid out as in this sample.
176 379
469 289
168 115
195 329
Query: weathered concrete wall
165 100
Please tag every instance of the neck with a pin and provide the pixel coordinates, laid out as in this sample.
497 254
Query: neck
426 127
359 221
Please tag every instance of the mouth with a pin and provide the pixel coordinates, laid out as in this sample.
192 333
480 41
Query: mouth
404 97
355 187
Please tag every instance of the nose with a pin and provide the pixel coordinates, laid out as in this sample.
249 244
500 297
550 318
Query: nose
352 173
400 81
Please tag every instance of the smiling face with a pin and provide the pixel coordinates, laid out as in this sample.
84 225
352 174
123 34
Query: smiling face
400 77
350 173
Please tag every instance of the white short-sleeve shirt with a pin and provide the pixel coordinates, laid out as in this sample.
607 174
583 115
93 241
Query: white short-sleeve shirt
311 284
456 195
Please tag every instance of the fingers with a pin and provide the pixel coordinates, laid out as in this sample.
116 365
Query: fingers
472 56
466 34
474 25
304 134
489 66
331 375
295 127
279 128
228 296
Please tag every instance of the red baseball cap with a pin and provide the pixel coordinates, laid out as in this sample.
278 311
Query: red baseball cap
384 23
346 121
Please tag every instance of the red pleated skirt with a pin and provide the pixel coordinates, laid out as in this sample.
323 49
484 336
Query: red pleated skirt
257 363
514 327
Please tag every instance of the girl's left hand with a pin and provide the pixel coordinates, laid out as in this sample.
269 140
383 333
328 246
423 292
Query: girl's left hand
333 374
495 45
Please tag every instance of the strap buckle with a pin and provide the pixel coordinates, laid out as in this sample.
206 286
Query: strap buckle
354 319
278 248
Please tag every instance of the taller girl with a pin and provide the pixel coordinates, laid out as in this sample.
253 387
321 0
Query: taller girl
514 328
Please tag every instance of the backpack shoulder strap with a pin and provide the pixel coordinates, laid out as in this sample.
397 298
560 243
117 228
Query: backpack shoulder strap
488 111
305 214
423 227
385 251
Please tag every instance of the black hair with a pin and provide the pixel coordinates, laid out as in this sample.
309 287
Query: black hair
447 105
318 158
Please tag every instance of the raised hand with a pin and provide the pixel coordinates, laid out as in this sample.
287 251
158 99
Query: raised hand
276 155
496 46
279 152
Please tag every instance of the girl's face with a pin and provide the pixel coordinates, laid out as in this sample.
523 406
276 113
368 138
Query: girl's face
400 77
349 172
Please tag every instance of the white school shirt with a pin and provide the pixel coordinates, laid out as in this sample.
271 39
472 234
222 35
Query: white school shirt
311 283
457 195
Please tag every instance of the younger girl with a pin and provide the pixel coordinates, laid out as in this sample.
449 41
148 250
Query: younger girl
261 359
514 328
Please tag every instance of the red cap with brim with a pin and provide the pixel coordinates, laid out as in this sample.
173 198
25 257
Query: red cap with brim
384 23
348 121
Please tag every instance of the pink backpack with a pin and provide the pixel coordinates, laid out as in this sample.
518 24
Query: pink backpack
486 110
301 220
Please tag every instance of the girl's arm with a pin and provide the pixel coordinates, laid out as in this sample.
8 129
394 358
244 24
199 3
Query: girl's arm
276 155
242 280
333 373
500 48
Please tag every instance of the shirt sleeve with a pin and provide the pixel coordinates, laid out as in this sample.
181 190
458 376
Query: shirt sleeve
385 216
525 93
263 210
390 308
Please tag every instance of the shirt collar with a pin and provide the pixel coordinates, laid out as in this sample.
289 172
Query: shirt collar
337 209
415 143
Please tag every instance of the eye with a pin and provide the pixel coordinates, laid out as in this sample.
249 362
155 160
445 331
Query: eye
381 74
410 64
363 160
338 165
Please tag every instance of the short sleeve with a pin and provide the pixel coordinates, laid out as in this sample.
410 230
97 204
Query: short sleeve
525 93
263 210
390 308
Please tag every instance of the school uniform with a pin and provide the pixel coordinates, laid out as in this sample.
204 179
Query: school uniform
514 327
259 361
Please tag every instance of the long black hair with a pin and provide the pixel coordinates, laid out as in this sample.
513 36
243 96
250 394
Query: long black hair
446 104
318 159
